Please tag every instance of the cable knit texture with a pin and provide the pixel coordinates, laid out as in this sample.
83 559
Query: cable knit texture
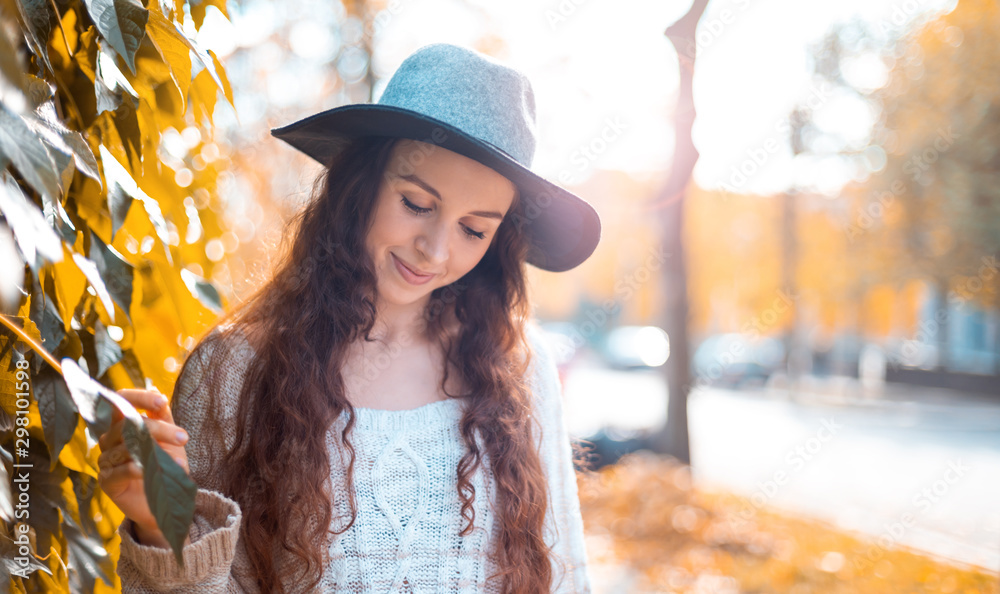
406 537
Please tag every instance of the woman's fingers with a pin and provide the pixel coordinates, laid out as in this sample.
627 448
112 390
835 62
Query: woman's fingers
162 431
122 472
154 403
113 457
119 455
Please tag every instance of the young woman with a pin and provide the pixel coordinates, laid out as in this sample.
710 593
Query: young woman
382 415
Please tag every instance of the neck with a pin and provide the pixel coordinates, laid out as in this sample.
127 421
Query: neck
400 324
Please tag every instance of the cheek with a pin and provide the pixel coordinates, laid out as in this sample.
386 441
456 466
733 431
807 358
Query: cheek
391 228
466 258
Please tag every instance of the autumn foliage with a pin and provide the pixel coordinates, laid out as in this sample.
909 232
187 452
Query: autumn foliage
658 532
108 198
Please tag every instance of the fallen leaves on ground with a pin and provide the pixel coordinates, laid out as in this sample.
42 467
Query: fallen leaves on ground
644 513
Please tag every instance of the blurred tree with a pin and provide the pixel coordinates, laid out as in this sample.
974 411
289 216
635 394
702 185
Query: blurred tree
673 438
108 168
940 129
931 208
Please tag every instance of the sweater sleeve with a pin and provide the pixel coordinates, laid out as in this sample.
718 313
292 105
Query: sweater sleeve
563 521
214 535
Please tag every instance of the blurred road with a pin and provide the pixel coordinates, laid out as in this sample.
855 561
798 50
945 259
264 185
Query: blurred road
911 467
918 474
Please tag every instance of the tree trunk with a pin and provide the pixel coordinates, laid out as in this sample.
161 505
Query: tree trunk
669 206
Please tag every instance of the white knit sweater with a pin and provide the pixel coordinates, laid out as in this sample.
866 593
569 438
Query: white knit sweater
405 538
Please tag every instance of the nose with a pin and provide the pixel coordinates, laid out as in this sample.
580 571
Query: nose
433 246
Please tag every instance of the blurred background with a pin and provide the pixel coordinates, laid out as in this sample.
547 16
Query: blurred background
781 366
837 249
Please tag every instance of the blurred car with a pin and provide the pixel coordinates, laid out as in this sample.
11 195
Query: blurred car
733 360
635 347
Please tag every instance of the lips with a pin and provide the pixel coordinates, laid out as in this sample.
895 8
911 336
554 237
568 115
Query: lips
410 275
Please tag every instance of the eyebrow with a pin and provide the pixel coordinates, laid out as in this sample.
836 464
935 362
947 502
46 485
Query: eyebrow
488 214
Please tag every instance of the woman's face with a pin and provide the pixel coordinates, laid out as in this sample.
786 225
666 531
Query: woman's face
435 216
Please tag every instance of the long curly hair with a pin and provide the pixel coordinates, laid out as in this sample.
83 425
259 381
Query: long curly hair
319 300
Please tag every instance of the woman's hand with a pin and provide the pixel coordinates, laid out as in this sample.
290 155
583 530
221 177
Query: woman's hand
121 478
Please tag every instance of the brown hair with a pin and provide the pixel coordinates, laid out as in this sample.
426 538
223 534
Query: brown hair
300 324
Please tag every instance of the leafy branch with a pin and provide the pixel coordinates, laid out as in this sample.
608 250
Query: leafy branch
170 492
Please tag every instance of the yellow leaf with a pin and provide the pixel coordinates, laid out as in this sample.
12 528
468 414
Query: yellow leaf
92 208
175 53
204 93
151 72
29 326
86 54
60 54
77 456
227 89
70 284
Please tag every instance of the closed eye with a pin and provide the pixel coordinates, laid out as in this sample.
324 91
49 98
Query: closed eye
414 207
420 210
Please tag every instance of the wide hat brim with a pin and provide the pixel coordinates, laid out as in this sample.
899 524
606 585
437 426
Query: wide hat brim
563 230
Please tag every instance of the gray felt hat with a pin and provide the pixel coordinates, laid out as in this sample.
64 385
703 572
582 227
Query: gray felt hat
471 104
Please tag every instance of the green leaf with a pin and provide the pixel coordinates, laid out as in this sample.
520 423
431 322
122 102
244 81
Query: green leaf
127 122
116 272
46 494
20 144
46 317
132 367
66 140
116 174
84 487
37 17
36 239
203 290
107 100
9 552
88 560
108 351
89 270
56 407
96 412
109 72
38 91
122 23
170 492
119 204
66 228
